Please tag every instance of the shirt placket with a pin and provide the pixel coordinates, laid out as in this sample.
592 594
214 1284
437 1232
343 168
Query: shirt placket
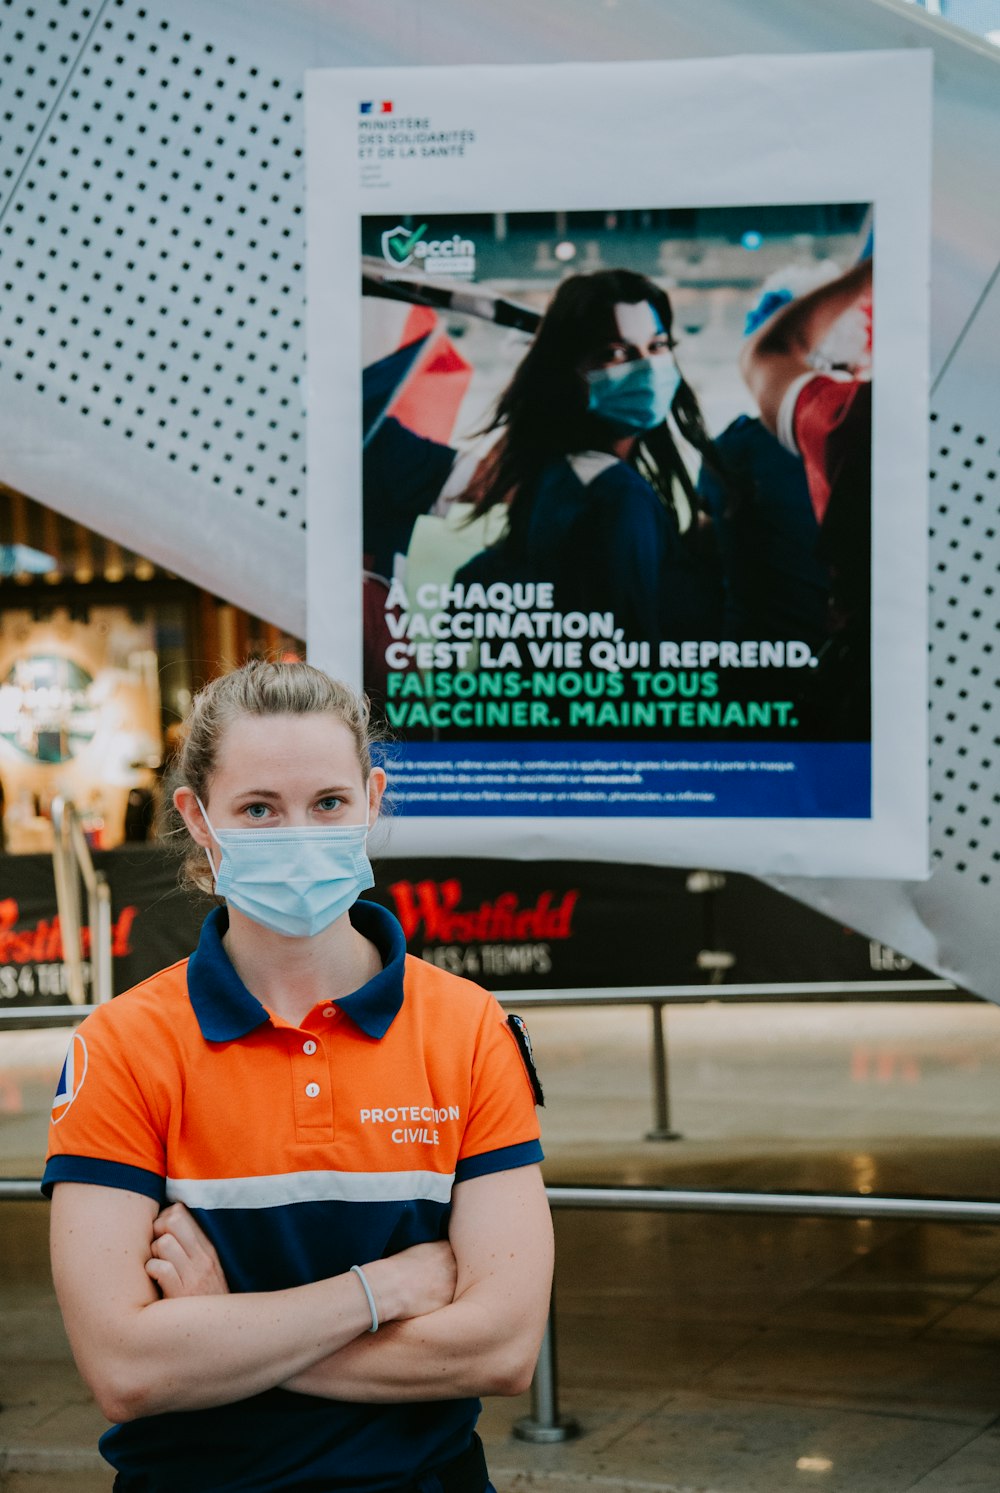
312 1089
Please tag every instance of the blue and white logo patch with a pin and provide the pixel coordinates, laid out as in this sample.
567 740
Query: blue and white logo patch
74 1071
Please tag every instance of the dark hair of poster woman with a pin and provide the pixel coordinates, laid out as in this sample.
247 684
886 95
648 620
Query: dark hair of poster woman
600 500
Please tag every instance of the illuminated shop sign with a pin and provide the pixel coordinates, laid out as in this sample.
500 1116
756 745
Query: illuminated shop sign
47 708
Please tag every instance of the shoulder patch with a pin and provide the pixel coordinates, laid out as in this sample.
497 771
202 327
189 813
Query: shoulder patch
74 1071
522 1042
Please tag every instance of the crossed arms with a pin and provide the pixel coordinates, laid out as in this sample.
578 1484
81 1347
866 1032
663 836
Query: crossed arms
153 1327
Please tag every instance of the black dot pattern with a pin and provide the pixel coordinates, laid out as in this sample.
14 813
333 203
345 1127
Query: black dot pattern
965 650
151 242
39 43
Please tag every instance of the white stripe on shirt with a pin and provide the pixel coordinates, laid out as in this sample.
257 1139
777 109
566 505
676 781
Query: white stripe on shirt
310 1187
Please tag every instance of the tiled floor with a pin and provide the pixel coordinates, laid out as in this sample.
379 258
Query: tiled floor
701 1353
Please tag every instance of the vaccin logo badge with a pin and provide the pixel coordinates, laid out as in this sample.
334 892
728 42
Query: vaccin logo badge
74 1071
399 245
404 248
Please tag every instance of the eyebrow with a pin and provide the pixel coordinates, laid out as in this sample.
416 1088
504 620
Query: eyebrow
272 793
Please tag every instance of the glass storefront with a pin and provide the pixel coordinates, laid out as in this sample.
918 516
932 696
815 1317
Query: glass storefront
100 654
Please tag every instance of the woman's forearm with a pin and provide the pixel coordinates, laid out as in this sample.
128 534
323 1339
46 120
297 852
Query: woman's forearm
801 326
211 1350
466 1349
486 1340
187 1343
190 1352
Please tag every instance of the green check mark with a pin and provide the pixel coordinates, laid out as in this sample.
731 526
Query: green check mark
403 247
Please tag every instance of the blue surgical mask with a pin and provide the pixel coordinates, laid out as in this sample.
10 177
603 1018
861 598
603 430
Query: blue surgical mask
635 395
293 880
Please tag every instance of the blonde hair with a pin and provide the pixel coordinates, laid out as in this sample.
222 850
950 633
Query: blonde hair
260 688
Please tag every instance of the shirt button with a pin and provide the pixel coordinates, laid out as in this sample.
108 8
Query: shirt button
312 1089
309 1048
329 1011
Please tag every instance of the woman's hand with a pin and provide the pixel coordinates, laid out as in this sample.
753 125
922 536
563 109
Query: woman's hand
183 1261
416 1281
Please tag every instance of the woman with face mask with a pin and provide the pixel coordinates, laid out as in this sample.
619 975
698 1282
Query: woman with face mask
599 499
298 1223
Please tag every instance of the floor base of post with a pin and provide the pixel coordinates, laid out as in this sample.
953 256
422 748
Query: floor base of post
529 1429
663 1135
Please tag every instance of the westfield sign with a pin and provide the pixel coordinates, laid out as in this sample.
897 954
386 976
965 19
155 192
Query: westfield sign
432 909
43 942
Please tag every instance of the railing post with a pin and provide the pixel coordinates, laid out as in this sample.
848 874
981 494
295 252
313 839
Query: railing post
71 860
102 965
661 1079
545 1425
68 898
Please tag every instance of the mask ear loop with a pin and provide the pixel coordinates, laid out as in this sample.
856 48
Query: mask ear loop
208 857
369 822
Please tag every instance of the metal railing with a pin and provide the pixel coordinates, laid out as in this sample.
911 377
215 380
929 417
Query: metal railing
72 862
546 1424
658 997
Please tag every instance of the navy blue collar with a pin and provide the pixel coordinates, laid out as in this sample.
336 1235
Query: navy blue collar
227 1011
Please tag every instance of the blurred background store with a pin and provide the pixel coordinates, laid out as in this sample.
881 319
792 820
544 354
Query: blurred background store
100 653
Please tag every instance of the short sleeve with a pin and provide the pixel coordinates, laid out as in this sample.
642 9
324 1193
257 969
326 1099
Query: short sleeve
503 1130
104 1129
788 409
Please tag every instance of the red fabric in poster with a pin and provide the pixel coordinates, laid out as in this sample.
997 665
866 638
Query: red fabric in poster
832 418
429 401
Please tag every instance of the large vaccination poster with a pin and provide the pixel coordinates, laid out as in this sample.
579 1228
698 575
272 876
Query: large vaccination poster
617 453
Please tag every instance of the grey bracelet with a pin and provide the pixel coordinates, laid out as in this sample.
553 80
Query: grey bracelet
357 1270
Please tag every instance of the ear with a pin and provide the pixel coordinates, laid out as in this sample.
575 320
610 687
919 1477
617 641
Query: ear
376 787
186 804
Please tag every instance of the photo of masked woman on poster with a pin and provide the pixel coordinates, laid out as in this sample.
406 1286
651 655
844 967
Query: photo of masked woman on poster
599 499
587 467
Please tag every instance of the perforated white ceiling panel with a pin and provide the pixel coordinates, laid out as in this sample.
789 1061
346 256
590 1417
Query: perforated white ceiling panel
950 919
151 268
151 344
38 46
965 642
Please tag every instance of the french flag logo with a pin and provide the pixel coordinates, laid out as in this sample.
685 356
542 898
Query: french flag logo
376 106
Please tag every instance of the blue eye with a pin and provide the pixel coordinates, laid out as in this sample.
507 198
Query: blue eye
329 804
257 811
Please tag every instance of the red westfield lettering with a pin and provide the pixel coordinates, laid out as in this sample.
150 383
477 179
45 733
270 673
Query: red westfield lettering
42 943
432 907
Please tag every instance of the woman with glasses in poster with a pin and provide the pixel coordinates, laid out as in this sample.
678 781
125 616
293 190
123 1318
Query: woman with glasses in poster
599 498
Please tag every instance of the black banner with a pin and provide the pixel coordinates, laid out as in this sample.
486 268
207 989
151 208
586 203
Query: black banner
516 925
154 923
508 925
565 924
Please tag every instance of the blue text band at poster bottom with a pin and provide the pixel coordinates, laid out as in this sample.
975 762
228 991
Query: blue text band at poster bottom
766 780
